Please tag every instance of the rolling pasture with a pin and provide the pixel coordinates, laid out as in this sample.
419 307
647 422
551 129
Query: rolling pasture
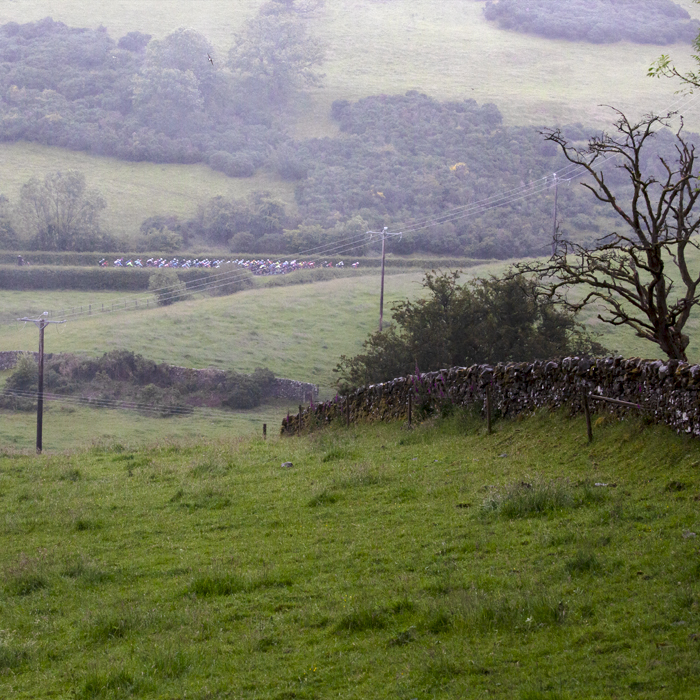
133 191
434 563
297 331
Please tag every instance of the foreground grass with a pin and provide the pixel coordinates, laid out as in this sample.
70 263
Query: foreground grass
436 563
71 427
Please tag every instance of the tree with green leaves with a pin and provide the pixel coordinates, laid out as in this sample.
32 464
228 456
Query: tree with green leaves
8 235
482 321
276 53
167 287
60 212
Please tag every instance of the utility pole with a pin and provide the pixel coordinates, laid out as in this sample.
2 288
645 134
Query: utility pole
41 323
384 234
381 293
554 222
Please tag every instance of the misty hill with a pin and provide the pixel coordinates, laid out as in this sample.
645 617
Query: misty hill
396 159
597 21
80 89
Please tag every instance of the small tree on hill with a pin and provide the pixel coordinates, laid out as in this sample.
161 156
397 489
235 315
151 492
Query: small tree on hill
277 52
167 287
641 275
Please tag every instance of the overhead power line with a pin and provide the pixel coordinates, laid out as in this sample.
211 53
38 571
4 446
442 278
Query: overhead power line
208 283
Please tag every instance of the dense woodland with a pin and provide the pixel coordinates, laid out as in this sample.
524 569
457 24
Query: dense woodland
398 159
596 21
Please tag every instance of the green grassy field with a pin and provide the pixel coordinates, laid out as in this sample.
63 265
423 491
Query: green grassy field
70 427
133 191
297 331
386 563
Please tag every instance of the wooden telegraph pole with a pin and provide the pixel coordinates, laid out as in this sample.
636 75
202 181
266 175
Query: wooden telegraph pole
384 234
381 293
41 324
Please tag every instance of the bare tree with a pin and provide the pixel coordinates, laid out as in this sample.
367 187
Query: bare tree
640 276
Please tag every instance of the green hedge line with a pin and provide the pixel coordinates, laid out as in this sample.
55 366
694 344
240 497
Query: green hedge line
69 259
101 279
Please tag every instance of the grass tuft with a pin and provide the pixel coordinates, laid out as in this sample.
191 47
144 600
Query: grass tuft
11 658
229 584
362 620
71 475
26 576
525 500
171 663
337 454
323 498
584 562
115 684
404 637
522 611
111 625
82 524
208 586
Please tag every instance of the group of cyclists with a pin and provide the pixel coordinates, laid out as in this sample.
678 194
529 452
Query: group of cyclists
162 262
257 267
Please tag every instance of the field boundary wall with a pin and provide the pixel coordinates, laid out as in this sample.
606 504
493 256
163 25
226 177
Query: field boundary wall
668 391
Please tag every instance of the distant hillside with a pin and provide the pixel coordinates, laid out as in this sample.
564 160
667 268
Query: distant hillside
597 21
447 49
400 159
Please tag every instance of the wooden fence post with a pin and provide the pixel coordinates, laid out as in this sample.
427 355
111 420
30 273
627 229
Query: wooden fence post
264 431
488 409
299 426
587 412
410 407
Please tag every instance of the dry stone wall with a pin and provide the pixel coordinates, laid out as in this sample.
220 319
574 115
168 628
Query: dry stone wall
667 390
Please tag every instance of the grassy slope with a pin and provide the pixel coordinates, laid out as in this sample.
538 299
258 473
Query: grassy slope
298 331
133 191
446 49
68 427
369 570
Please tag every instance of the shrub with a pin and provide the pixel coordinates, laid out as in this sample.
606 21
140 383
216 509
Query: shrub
25 376
234 165
640 21
167 287
246 390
